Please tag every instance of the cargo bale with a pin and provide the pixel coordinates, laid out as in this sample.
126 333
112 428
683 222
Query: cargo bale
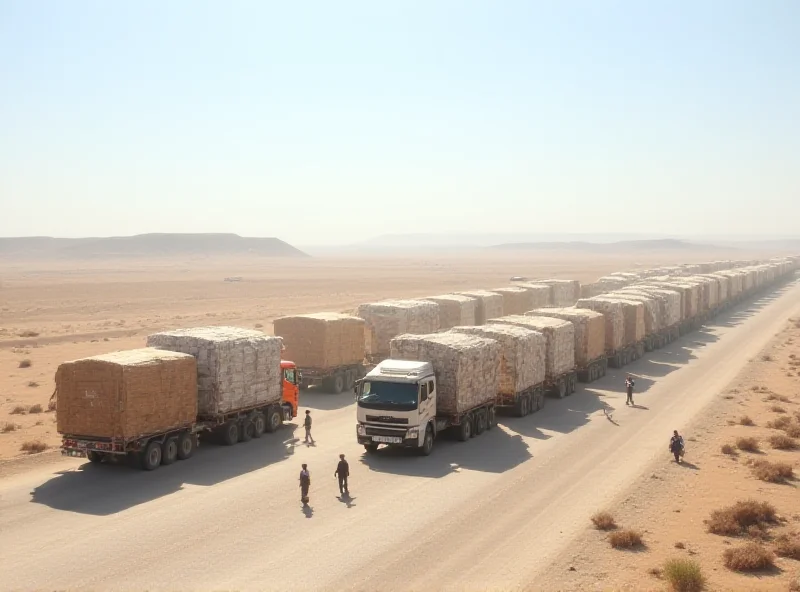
126 394
540 294
634 318
390 318
562 292
560 340
590 331
522 355
454 310
652 309
515 300
671 298
488 305
614 317
467 367
322 340
236 368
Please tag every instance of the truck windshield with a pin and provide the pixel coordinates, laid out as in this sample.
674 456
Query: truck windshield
400 396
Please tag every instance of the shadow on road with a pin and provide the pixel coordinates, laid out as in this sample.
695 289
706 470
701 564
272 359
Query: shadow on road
316 398
110 488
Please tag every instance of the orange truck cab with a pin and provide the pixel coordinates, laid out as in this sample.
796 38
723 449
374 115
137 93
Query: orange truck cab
291 389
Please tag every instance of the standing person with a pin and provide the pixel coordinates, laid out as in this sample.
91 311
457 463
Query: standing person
307 425
343 472
305 483
629 388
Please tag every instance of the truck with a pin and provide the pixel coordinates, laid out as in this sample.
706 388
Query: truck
591 362
149 406
328 348
618 350
430 384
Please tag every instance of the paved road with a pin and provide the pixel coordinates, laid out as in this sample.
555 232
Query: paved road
487 513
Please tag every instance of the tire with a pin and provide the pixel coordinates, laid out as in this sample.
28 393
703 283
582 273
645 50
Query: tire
572 384
465 429
371 448
522 408
230 433
490 418
186 445
480 423
94 456
274 419
259 422
338 384
541 399
151 456
427 444
169 451
245 430
561 388
349 380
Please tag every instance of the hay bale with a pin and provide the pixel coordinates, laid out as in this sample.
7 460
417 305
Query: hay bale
614 318
633 313
590 331
236 368
652 308
454 310
467 367
541 294
488 305
126 394
562 292
515 300
674 297
322 340
559 337
390 318
522 355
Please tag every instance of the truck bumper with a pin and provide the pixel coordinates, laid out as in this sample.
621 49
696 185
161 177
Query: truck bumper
398 442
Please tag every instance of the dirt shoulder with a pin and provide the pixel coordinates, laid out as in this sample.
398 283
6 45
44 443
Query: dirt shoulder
671 505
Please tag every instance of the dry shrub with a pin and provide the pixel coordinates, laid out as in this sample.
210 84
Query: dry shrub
777 409
684 575
793 430
51 406
33 446
776 397
746 421
766 358
604 521
757 531
728 449
780 423
747 444
736 519
19 410
10 427
625 539
748 557
782 442
680 545
29 334
258 325
33 384
789 547
772 472
25 363
35 408
794 585
655 572
754 388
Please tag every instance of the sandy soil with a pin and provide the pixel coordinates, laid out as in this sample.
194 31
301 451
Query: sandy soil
671 504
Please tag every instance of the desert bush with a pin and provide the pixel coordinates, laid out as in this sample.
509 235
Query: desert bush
728 449
35 408
772 472
777 409
29 334
19 410
782 442
794 585
776 397
748 557
680 545
33 384
25 363
625 539
746 421
10 427
766 358
747 444
789 547
33 446
736 519
604 521
780 423
684 575
793 430
258 325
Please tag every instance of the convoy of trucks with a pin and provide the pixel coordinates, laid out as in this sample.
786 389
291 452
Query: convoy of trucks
150 405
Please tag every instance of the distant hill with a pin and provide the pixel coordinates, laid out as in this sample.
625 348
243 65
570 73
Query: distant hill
614 247
145 245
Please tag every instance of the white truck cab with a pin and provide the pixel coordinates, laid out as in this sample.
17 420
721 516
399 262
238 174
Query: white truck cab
397 406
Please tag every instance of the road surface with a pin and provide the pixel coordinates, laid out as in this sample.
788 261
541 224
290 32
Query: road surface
488 513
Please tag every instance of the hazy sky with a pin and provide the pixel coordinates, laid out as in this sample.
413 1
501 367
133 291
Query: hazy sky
331 122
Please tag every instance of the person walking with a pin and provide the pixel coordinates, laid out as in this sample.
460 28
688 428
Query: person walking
676 446
343 472
629 384
305 484
307 425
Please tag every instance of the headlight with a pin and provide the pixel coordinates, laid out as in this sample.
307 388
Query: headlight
361 430
412 433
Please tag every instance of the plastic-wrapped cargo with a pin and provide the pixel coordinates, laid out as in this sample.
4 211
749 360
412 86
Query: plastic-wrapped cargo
614 282
563 292
515 300
590 331
686 293
634 318
467 367
236 368
522 355
390 318
672 299
614 318
454 310
126 394
594 289
560 338
540 294
652 311
322 340
723 286
488 305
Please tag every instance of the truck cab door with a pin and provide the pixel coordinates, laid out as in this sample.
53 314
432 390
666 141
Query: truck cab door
427 400
291 390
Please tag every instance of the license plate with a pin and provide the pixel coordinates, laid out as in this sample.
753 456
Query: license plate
77 453
387 439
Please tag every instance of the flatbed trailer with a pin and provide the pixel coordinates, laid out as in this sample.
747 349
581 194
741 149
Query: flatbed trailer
524 402
335 380
593 370
624 355
561 385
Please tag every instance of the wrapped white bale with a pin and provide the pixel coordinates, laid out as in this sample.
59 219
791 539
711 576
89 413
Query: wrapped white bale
685 292
590 331
540 294
560 339
454 310
321 340
522 355
612 282
672 311
594 289
390 318
236 368
563 292
614 318
652 309
634 318
724 284
515 300
467 367
488 305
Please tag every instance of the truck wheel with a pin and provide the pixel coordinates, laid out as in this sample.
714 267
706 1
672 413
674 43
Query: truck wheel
169 451
230 433
427 443
94 456
521 407
349 380
480 423
259 424
186 443
540 398
274 419
465 429
371 448
151 457
338 384
490 419
561 388
245 430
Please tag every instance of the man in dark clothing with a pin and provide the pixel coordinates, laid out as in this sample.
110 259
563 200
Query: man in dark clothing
676 445
307 425
629 388
343 472
305 484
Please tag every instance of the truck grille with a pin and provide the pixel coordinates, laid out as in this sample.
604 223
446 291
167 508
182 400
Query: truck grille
371 431
387 419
